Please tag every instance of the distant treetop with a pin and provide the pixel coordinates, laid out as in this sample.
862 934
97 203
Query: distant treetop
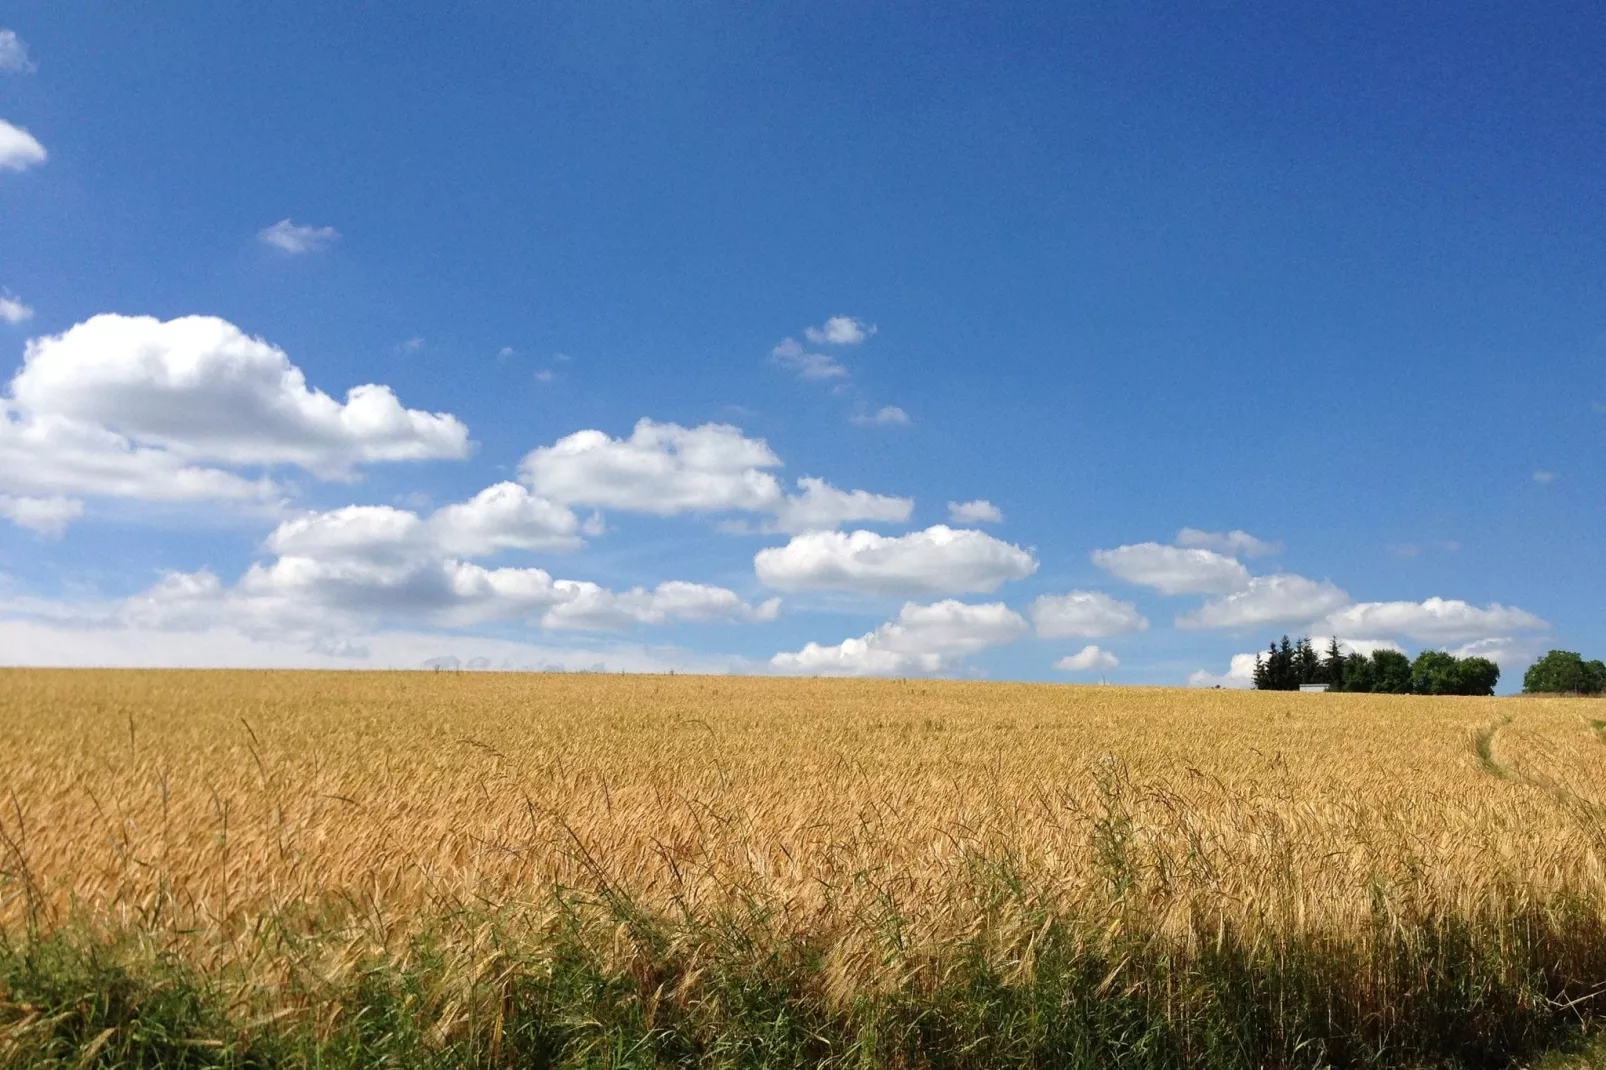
1563 672
1287 665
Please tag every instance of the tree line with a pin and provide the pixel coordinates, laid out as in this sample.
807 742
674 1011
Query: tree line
1565 672
1285 666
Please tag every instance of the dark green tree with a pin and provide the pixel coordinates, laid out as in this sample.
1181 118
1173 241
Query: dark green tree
1285 665
1390 672
1434 673
1333 666
1476 676
1263 668
1284 677
1563 672
1307 664
1358 673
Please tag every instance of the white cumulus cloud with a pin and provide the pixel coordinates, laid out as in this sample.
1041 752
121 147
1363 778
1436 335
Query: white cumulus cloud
19 150
51 456
790 354
980 511
1364 647
589 607
47 516
14 54
923 639
1084 615
13 311
839 331
1508 652
505 516
885 416
1268 600
293 238
1232 543
362 568
201 388
938 560
1240 674
1434 620
664 469
822 506
136 408
1173 569
1089 659
95 641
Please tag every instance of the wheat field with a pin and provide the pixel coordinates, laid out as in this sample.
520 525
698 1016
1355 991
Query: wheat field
517 869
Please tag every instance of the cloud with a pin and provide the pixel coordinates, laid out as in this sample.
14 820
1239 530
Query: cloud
14 54
839 331
1174 570
1542 476
1435 620
1407 551
1505 651
822 506
1363 647
506 516
52 456
201 388
1240 674
115 644
593 608
938 560
1231 543
19 150
1084 615
502 517
131 407
664 469
367 567
295 238
13 311
1267 600
886 416
923 639
980 511
1089 659
47 516
790 354
306 596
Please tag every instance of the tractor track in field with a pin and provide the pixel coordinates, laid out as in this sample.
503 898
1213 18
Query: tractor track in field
1484 748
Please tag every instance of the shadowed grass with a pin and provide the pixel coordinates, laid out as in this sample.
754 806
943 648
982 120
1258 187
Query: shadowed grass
606 984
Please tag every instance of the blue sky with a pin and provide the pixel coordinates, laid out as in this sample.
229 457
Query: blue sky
1331 278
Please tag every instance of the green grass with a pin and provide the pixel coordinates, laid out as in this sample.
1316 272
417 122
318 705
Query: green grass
484 991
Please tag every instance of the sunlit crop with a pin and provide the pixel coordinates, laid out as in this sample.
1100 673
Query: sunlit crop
851 852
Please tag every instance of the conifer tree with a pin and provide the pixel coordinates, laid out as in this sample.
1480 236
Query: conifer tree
1333 666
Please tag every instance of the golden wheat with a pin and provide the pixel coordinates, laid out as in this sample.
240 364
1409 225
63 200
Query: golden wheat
214 800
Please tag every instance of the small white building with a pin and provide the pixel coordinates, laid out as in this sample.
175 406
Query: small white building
1314 689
